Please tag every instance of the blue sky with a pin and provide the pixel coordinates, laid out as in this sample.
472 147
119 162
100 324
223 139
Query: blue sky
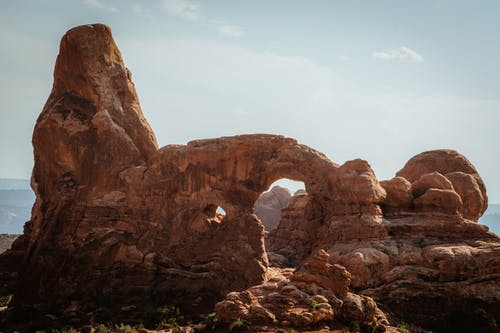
378 80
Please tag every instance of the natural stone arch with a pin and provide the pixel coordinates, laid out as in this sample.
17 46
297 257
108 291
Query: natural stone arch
116 217
268 207
237 169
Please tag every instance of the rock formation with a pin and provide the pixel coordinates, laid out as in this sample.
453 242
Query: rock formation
425 258
316 293
118 221
269 205
291 241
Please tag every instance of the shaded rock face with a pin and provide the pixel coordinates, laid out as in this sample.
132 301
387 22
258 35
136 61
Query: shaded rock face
315 293
269 205
291 242
426 248
118 217
117 220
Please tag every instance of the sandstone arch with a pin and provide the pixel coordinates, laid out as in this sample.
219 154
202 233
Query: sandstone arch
117 217
144 207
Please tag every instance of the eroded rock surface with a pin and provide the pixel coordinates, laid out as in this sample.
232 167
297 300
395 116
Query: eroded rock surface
118 221
316 292
269 205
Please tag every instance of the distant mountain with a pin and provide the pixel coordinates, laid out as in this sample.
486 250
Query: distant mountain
16 200
14 184
493 209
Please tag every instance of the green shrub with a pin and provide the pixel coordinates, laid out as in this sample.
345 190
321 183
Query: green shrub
402 328
314 305
124 328
101 328
237 325
212 321
171 317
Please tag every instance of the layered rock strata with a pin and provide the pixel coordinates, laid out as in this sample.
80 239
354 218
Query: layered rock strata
119 221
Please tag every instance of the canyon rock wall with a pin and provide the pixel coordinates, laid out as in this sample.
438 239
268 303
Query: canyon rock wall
117 220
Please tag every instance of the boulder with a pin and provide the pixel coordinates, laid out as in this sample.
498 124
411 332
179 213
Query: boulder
399 195
320 271
439 200
430 180
444 161
269 205
469 190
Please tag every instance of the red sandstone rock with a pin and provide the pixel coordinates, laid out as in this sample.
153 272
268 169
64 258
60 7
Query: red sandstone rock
444 162
398 192
430 180
269 205
117 219
319 271
469 190
115 216
357 188
291 240
311 296
439 200
399 196
366 264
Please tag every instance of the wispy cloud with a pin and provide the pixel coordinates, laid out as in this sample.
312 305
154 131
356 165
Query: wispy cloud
230 30
100 5
402 53
190 10
138 9
182 8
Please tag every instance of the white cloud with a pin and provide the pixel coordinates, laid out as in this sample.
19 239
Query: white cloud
142 11
183 8
100 5
230 30
402 53
194 89
189 10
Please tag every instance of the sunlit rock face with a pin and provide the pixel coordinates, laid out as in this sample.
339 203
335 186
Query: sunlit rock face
118 219
269 205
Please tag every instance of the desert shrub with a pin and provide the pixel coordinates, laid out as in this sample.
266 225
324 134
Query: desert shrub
171 317
124 328
402 328
314 305
101 328
212 321
237 325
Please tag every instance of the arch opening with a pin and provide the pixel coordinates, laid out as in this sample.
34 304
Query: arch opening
214 213
277 197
